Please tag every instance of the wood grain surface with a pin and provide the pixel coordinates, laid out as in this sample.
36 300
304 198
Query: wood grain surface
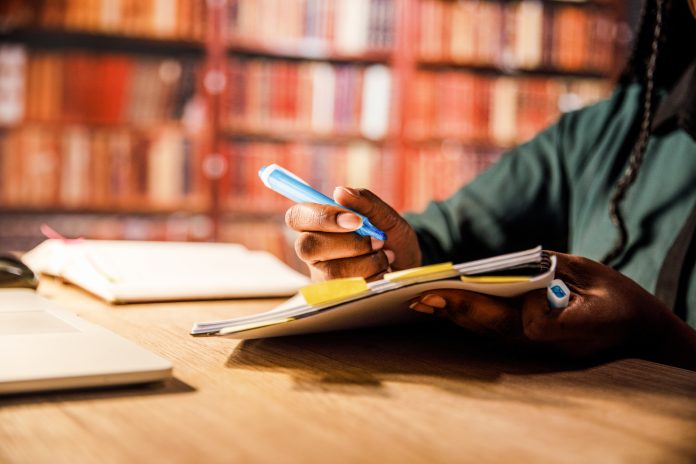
431 394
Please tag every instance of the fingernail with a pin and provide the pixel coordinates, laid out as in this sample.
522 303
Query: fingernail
390 256
347 190
436 301
349 221
376 244
421 308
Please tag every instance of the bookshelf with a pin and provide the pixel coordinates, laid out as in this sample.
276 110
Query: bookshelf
149 119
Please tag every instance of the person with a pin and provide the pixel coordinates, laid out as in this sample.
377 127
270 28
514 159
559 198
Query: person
613 183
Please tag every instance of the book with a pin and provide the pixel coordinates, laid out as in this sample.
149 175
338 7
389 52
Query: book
517 35
350 303
137 271
13 61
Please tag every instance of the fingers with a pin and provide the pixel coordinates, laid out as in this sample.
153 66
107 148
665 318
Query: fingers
368 266
429 303
473 311
369 205
401 236
566 330
318 219
576 271
539 321
312 247
312 217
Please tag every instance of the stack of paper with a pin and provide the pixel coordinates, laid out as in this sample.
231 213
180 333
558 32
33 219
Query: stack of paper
132 271
350 303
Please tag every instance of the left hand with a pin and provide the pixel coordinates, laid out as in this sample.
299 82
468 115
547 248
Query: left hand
607 310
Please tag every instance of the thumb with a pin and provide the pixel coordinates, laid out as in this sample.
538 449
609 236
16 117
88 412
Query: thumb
368 204
401 238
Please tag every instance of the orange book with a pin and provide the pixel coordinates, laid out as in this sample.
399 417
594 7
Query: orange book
116 88
481 107
99 170
292 90
277 91
43 89
303 98
420 122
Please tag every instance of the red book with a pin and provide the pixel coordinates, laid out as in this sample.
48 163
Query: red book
292 84
116 88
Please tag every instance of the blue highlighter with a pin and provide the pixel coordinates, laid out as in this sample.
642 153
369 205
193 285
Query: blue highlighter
286 183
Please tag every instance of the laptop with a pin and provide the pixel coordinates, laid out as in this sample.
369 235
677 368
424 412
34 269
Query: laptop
45 347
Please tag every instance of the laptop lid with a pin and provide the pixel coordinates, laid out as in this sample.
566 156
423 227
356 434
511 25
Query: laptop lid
44 347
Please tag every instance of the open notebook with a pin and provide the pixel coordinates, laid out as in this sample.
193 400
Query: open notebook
135 271
351 303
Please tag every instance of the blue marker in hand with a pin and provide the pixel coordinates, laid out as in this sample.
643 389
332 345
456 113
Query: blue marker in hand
290 186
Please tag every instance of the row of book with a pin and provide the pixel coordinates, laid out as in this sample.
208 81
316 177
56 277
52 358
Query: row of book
92 88
317 97
160 19
436 171
324 166
103 169
433 171
501 110
313 27
519 35
119 169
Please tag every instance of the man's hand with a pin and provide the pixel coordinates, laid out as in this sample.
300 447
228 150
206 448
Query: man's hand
607 311
331 249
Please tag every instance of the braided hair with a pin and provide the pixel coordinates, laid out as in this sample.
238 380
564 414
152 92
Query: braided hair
661 52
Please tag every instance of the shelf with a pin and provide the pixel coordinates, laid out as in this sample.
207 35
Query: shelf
291 135
582 3
490 69
61 39
303 51
98 125
134 210
231 214
475 144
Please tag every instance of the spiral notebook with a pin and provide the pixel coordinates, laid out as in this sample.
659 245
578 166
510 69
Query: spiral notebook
341 304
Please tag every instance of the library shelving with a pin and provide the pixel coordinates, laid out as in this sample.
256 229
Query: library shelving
150 118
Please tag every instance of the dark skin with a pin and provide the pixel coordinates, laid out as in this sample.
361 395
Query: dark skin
607 312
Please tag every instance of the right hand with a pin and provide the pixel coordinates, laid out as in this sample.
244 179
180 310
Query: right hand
332 250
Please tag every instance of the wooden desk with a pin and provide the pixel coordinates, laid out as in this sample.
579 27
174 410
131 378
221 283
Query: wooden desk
393 395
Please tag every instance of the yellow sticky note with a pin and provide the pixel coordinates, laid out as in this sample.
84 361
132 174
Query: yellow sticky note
333 290
423 271
483 279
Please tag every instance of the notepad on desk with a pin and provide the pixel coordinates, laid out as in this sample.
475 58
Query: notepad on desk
353 303
138 271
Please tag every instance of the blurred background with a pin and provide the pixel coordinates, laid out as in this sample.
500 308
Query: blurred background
149 119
